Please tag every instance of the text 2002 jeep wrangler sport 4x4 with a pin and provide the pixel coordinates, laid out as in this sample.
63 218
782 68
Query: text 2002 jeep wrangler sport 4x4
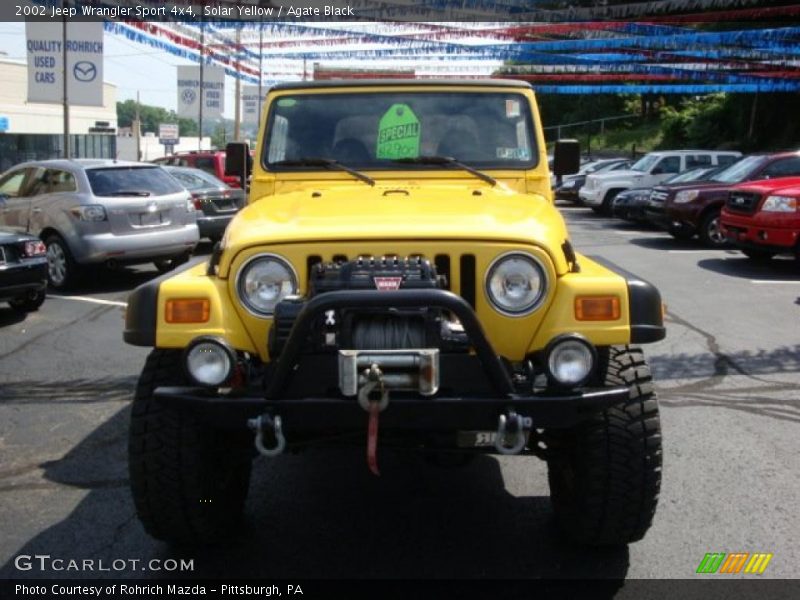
400 276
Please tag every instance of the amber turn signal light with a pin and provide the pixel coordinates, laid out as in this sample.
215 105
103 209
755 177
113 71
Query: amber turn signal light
188 310
597 308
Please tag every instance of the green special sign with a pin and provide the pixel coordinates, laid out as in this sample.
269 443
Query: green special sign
398 133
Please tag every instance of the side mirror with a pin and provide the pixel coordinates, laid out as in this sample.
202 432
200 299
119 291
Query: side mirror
238 161
566 157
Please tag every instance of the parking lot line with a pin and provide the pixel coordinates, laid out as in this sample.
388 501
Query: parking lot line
90 300
776 282
690 251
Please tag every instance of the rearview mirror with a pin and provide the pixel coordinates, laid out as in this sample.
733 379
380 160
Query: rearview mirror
238 161
566 157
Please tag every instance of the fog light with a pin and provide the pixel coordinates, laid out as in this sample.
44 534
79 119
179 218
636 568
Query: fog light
209 361
570 360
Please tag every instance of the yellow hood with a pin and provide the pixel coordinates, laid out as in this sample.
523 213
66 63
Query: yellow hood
400 212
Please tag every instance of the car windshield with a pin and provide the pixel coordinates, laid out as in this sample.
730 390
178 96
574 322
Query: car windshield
195 179
645 163
132 181
691 175
375 130
739 171
601 165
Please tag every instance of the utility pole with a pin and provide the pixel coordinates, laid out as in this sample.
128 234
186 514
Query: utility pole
202 93
67 150
260 65
137 128
237 108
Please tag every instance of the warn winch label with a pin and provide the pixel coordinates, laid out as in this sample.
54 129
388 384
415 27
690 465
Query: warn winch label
387 284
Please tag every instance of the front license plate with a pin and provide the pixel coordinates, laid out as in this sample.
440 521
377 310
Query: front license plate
478 439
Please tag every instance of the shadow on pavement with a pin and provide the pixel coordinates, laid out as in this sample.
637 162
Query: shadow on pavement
667 242
738 265
322 515
9 316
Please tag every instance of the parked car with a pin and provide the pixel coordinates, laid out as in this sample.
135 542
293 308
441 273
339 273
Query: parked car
694 208
630 205
99 211
216 202
599 190
762 218
571 184
23 269
210 161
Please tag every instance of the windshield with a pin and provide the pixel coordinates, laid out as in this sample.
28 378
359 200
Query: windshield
645 163
133 181
374 130
691 175
738 171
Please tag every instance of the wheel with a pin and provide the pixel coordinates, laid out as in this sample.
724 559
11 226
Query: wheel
598 210
710 231
758 255
167 264
189 480
28 303
681 232
605 474
62 270
608 201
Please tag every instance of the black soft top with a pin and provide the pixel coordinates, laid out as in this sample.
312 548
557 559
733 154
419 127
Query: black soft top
344 83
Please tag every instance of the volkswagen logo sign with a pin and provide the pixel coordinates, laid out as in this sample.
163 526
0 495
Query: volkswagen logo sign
188 96
84 71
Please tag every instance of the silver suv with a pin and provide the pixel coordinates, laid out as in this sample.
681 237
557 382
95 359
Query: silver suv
99 211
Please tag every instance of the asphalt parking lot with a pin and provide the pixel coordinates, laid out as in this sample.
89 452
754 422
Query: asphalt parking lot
728 376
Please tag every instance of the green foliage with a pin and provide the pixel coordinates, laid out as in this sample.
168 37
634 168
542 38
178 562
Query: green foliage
151 117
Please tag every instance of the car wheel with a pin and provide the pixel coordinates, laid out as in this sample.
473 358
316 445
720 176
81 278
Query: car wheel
189 480
608 202
681 232
711 232
28 303
62 270
167 264
605 474
758 255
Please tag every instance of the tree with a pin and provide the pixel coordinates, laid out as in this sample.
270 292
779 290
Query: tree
151 117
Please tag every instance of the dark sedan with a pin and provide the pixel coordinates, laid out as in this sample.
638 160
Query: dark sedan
23 270
215 201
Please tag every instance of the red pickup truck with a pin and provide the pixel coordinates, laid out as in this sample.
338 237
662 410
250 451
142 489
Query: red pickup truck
762 218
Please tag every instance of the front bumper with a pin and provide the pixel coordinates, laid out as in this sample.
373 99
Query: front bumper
751 232
19 279
590 197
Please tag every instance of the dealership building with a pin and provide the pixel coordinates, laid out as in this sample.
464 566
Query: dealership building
35 131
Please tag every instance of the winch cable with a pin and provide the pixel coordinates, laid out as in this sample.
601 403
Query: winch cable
388 333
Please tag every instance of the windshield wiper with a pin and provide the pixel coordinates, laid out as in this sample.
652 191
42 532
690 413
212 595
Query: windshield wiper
327 163
446 161
129 193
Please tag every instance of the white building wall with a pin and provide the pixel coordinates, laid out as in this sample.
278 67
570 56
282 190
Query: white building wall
25 117
151 148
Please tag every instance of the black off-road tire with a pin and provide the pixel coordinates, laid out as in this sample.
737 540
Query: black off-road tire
605 474
189 480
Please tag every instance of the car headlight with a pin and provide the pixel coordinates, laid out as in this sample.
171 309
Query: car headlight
686 196
780 204
516 283
263 281
209 361
570 360
569 184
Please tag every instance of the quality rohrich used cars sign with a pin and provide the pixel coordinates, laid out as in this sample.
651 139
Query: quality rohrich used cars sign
45 48
189 96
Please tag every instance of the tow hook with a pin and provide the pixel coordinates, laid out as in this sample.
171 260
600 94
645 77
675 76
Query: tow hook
266 425
374 383
512 433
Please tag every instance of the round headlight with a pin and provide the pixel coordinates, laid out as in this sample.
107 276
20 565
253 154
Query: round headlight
516 284
570 361
264 281
209 362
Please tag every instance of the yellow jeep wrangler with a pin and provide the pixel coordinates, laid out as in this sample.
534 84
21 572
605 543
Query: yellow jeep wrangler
399 277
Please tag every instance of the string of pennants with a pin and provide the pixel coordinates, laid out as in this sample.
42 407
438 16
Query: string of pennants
751 47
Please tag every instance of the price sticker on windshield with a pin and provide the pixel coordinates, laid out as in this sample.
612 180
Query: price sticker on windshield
398 133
